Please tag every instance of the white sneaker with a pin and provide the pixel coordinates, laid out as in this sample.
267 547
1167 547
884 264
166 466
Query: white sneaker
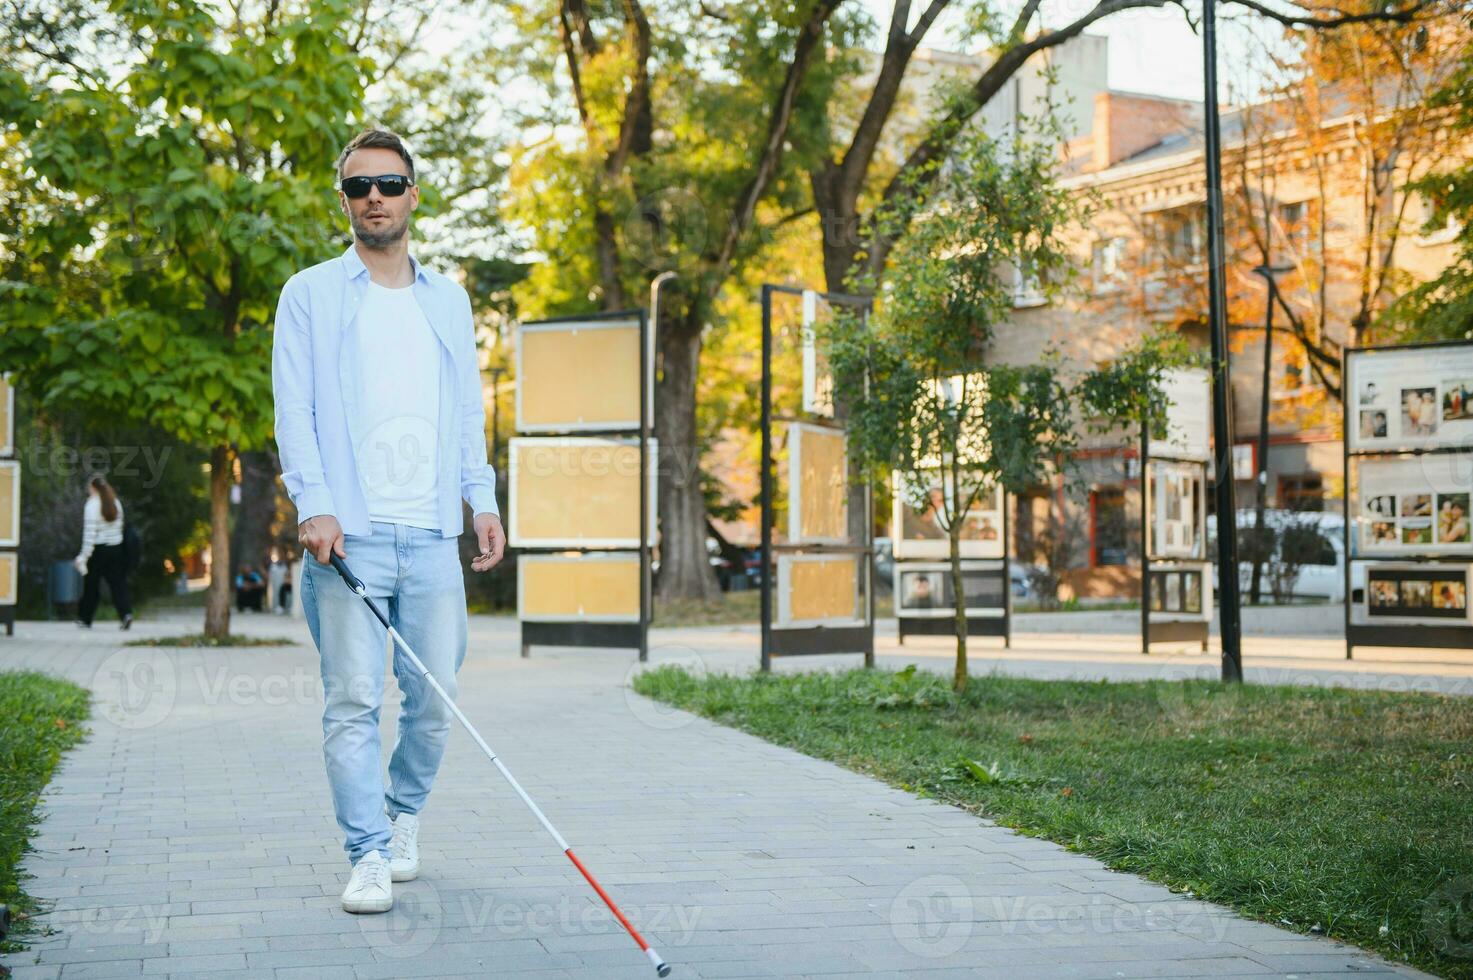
404 848
369 889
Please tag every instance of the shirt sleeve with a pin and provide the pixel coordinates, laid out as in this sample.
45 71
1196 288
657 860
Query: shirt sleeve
477 477
91 524
296 415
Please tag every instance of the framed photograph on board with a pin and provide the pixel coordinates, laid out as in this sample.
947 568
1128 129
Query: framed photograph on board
1409 398
923 532
1420 505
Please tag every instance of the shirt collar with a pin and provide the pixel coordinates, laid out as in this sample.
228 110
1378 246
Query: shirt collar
353 262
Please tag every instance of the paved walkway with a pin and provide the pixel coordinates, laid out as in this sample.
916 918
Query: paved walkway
192 835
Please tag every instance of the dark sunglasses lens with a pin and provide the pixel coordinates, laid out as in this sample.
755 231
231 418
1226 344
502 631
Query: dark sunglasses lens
390 185
356 187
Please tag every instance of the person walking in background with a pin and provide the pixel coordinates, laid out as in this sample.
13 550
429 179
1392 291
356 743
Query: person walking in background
249 588
101 556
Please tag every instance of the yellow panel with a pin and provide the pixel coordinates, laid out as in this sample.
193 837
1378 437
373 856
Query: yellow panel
6 445
9 501
7 578
824 479
575 493
579 376
574 587
826 589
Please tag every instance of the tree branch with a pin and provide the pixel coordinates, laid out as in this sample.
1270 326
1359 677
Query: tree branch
1401 15
810 39
637 125
565 32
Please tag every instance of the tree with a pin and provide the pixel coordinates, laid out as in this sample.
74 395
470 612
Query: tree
925 393
684 119
1442 308
181 158
1366 88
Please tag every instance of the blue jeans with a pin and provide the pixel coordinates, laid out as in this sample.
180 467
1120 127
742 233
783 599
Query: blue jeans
414 575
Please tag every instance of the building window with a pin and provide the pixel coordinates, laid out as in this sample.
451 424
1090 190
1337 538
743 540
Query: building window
1305 491
1107 527
1423 211
1107 265
1296 234
1027 290
1181 234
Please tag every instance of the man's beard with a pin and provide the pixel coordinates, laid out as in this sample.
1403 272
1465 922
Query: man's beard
378 239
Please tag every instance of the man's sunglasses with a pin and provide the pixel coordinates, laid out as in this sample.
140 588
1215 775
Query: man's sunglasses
389 185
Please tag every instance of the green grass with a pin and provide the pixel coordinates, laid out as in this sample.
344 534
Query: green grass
40 718
201 640
1324 810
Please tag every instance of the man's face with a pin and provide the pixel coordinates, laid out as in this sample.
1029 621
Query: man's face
378 221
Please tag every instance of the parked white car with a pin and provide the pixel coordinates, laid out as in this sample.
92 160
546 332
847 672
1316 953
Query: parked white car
1318 580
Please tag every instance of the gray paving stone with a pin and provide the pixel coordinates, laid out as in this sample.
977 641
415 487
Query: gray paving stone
206 847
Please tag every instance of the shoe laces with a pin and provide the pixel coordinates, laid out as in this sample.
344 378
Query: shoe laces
372 874
402 840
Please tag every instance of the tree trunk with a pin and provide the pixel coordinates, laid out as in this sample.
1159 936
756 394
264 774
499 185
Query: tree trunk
959 604
251 540
685 572
217 599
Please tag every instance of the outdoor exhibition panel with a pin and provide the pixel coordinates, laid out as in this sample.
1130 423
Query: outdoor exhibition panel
925 600
1176 577
582 478
1408 485
9 507
554 358
816 574
922 545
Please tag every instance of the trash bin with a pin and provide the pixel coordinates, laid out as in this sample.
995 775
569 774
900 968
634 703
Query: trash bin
63 586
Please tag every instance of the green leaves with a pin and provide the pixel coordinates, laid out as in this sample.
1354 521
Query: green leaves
162 210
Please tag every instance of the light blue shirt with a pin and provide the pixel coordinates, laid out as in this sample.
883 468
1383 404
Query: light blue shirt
315 381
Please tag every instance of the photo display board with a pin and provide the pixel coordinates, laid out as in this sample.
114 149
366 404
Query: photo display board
1409 398
923 589
1177 509
816 595
1431 593
1415 505
1409 494
555 362
923 534
1181 593
818 380
1188 395
818 485
582 480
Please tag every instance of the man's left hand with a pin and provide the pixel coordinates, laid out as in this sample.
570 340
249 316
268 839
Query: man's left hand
492 540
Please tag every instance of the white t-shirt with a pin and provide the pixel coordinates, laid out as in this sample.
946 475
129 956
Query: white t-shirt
399 369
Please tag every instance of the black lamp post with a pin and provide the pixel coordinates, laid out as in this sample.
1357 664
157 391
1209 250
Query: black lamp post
1222 423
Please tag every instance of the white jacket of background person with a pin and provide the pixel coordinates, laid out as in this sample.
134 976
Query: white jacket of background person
96 531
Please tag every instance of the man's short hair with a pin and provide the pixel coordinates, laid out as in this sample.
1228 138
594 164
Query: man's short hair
376 139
